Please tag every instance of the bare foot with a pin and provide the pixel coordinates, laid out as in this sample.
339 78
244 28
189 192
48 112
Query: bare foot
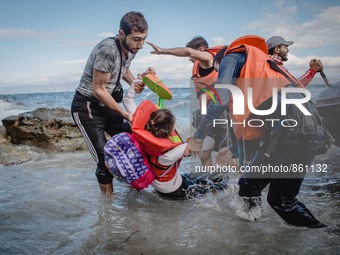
107 190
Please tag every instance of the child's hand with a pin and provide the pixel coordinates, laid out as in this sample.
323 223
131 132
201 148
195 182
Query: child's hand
187 151
139 86
150 70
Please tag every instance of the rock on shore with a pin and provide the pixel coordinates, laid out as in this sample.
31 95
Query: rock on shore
43 129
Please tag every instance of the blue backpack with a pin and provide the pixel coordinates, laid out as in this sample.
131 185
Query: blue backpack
127 162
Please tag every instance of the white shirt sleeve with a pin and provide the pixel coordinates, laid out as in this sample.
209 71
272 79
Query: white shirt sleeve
129 99
170 157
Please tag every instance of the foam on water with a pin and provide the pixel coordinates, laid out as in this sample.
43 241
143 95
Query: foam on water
7 109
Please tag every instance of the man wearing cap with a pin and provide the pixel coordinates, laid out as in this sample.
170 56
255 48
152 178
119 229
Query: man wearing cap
278 50
246 65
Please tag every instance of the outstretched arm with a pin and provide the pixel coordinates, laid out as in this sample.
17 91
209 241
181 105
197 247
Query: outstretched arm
201 56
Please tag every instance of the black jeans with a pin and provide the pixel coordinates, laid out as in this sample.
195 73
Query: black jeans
93 121
284 187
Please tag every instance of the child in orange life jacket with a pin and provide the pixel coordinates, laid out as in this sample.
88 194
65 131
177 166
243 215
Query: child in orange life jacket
169 182
161 124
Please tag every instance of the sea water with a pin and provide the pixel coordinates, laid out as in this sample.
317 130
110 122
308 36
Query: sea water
52 205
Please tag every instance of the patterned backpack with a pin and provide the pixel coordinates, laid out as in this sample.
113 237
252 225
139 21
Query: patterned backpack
127 162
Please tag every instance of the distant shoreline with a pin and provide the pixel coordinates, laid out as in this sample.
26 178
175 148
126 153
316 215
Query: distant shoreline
6 89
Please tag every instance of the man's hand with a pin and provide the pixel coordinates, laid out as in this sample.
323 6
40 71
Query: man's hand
195 147
156 50
225 157
139 86
187 151
316 65
138 83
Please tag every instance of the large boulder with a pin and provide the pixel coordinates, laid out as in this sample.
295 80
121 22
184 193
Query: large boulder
50 129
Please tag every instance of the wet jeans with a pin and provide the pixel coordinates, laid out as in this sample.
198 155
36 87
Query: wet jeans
284 186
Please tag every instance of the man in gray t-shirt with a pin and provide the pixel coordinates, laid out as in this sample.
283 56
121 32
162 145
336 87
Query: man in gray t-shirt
95 107
105 57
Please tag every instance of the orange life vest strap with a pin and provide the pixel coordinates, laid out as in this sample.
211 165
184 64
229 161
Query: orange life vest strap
163 173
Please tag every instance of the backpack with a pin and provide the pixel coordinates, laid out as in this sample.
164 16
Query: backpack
127 162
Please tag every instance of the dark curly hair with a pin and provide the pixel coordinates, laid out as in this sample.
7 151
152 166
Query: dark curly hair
133 21
219 55
161 123
196 42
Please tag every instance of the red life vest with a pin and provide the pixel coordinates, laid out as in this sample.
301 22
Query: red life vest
257 74
205 83
152 145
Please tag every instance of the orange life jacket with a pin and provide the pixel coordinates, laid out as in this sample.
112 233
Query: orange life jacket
257 74
152 145
203 84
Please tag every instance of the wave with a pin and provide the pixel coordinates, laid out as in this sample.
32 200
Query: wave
8 108
4 104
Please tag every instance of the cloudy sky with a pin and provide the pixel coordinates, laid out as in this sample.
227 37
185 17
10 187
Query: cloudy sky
48 42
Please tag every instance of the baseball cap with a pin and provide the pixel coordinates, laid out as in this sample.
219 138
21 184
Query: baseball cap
276 41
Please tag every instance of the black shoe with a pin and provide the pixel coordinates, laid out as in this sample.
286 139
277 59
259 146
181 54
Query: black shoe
298 215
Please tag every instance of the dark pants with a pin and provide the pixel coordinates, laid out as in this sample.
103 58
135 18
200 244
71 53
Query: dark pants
194 187
219 133
93 121
284 187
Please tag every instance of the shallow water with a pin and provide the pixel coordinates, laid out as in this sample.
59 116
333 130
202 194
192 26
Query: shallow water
52 205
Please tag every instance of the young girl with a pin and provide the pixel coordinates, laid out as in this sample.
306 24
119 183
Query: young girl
155 130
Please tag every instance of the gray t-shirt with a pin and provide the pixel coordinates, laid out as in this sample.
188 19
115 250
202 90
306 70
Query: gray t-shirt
104 57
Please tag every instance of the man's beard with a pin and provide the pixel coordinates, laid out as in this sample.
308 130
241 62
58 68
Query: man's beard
284 57
126 46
